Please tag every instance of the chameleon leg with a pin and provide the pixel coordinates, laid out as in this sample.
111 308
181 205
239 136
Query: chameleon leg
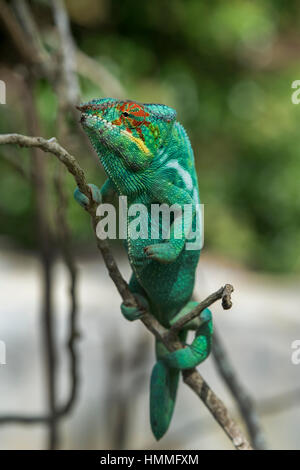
132 313
105 194
195 353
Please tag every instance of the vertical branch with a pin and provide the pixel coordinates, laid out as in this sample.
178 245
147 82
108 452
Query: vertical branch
68 51
240 395
64 239
30 28
116 405
68 93
39 172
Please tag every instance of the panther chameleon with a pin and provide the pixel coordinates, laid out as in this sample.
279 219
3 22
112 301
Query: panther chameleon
148 157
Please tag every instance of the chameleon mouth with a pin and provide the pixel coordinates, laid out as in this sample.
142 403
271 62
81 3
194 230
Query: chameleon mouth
91 122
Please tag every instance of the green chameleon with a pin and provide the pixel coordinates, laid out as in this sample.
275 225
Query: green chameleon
148 157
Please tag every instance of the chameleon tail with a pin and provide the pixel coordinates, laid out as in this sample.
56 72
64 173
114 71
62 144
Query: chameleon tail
163 390
165 374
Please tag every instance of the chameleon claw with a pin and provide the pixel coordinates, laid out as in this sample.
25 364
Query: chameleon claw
83 200
133 313
162 252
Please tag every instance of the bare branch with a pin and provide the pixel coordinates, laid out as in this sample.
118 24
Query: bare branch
226 296
92 68
68 50
241 396
39 171
64 238
30 27
223 293
217 408
191 377
24 419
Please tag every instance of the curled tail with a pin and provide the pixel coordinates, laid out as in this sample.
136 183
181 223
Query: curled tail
165 374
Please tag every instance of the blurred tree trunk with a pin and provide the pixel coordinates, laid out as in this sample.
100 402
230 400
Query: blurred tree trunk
45 242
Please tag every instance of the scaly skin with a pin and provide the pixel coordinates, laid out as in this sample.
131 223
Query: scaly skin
147 156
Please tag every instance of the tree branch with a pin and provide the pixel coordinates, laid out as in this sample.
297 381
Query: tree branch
30 29
68 51
223 293
191 377
64 238
244 401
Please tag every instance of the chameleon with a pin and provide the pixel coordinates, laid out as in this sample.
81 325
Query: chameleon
148 157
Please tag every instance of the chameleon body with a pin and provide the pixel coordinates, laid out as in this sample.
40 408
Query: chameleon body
148 157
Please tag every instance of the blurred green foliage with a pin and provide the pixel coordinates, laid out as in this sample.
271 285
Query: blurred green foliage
227 68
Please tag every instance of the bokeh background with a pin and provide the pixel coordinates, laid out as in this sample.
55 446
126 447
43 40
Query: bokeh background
227 68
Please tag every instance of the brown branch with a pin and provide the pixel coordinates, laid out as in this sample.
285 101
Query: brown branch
68 52
68 92
191 377
91 68
223 293
39 170
226 296
240 395
64 238
30 28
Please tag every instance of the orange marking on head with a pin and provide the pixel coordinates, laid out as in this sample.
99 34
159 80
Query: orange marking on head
139 131
136 110
117 122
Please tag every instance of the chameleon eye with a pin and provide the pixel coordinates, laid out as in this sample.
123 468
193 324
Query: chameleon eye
125 114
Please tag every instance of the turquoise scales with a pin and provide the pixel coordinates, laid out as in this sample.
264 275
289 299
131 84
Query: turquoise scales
148 157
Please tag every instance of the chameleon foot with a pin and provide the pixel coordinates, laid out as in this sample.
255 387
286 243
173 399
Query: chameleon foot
162 252
133 313
83 200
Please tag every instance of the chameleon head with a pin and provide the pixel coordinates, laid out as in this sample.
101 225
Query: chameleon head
126 129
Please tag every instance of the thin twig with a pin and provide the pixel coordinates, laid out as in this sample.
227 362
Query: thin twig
223 293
